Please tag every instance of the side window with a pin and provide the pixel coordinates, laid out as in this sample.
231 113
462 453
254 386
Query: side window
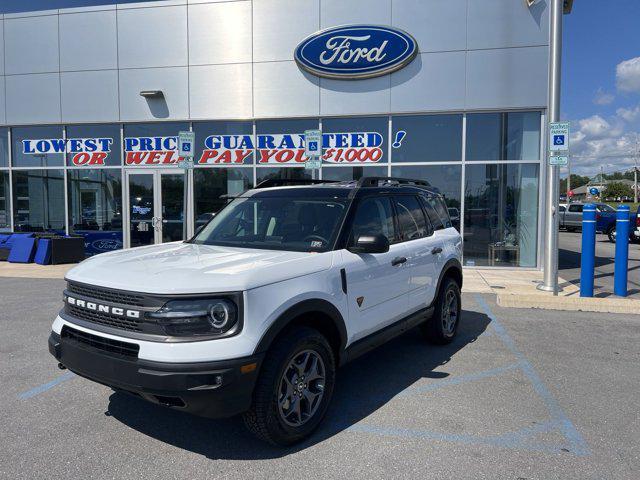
562 208
434 218
575 208
373 217
441 209
413 223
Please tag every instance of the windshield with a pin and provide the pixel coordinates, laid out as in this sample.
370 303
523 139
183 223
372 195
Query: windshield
271 223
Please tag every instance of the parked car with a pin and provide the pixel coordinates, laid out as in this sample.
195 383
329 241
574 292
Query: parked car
570 218
255 313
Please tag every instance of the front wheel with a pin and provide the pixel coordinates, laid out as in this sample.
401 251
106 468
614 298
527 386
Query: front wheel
611 233
442 327
294 388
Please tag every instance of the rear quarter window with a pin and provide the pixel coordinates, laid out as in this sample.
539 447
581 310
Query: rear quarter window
437 212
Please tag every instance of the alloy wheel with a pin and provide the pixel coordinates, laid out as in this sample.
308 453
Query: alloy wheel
301 388
449 313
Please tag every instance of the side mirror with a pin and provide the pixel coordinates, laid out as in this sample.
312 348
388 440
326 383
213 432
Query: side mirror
370 244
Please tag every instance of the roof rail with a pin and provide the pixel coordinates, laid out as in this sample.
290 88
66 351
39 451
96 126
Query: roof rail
283 182
390 181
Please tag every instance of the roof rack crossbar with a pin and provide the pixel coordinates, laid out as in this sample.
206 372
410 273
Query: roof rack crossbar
283 182
375 181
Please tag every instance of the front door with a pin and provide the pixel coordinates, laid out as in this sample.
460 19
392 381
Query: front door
376 283
156 207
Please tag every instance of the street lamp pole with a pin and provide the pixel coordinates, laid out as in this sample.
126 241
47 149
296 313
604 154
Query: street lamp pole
552 186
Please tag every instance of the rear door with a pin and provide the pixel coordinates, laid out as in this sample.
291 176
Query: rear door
422 248
376 282
573 216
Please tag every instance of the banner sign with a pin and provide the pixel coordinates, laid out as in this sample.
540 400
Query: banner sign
287 148
356 51
221 150
84 151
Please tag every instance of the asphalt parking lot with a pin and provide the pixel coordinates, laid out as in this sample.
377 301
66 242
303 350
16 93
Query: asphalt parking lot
521 394
569 263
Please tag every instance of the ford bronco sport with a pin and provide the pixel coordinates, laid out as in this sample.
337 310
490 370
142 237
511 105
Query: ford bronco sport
255 313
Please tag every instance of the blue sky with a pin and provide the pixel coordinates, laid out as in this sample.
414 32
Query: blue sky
601 83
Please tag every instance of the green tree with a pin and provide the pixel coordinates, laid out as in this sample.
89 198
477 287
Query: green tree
576 181
618 190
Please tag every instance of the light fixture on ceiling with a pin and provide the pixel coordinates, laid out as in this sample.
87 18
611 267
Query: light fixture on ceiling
151 93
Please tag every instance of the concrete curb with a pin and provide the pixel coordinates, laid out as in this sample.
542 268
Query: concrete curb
577 304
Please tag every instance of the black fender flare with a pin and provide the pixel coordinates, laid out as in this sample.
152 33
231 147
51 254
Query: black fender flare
451 264
298 310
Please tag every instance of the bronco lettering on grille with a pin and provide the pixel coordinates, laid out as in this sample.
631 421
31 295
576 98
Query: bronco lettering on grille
96 307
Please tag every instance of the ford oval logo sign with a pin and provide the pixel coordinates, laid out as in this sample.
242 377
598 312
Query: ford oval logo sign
356 51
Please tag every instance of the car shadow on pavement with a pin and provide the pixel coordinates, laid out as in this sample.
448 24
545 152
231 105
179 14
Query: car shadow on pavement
362 387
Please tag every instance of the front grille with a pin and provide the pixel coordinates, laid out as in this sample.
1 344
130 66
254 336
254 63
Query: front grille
113 296
130 324
99 343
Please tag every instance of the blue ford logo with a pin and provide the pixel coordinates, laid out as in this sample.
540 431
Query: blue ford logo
356 51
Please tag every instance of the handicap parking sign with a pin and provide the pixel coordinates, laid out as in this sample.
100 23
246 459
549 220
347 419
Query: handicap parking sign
559 135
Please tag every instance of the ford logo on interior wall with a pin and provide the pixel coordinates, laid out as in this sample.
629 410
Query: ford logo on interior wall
356 51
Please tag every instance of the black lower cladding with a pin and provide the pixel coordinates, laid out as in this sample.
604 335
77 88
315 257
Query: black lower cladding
210 389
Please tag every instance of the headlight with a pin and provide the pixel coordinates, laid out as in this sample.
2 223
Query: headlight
195 317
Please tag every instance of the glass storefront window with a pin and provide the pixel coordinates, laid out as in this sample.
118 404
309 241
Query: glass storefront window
352 173
503 136
427 138
93 146
501 215
38 199
446 178
280 142
224 143
289 173
152 144
37 146
95 208
355 140
210 183
4 147
5 204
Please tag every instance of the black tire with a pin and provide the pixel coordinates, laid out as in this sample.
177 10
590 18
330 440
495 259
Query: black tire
611 233
264 418
435 329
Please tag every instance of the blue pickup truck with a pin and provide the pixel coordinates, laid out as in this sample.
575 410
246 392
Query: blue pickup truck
571 220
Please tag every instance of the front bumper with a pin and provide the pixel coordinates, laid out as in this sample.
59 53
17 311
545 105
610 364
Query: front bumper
209 389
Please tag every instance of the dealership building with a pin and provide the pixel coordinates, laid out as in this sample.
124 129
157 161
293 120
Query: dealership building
93 95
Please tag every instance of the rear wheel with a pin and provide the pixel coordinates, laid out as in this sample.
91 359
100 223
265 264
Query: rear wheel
611 233
442 327
294 388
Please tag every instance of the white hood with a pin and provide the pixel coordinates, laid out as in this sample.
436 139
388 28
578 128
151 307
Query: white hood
188 268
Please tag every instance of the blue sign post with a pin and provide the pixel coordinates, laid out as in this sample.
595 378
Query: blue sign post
588 256
622 251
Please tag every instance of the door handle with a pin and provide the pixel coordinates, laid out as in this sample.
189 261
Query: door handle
398 261
436 250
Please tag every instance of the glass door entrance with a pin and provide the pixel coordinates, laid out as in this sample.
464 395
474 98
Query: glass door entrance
156 207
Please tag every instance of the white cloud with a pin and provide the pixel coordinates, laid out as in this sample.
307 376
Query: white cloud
596 141
628 75
628 114
603 98
597 127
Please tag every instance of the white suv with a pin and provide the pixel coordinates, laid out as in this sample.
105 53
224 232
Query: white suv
255 313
